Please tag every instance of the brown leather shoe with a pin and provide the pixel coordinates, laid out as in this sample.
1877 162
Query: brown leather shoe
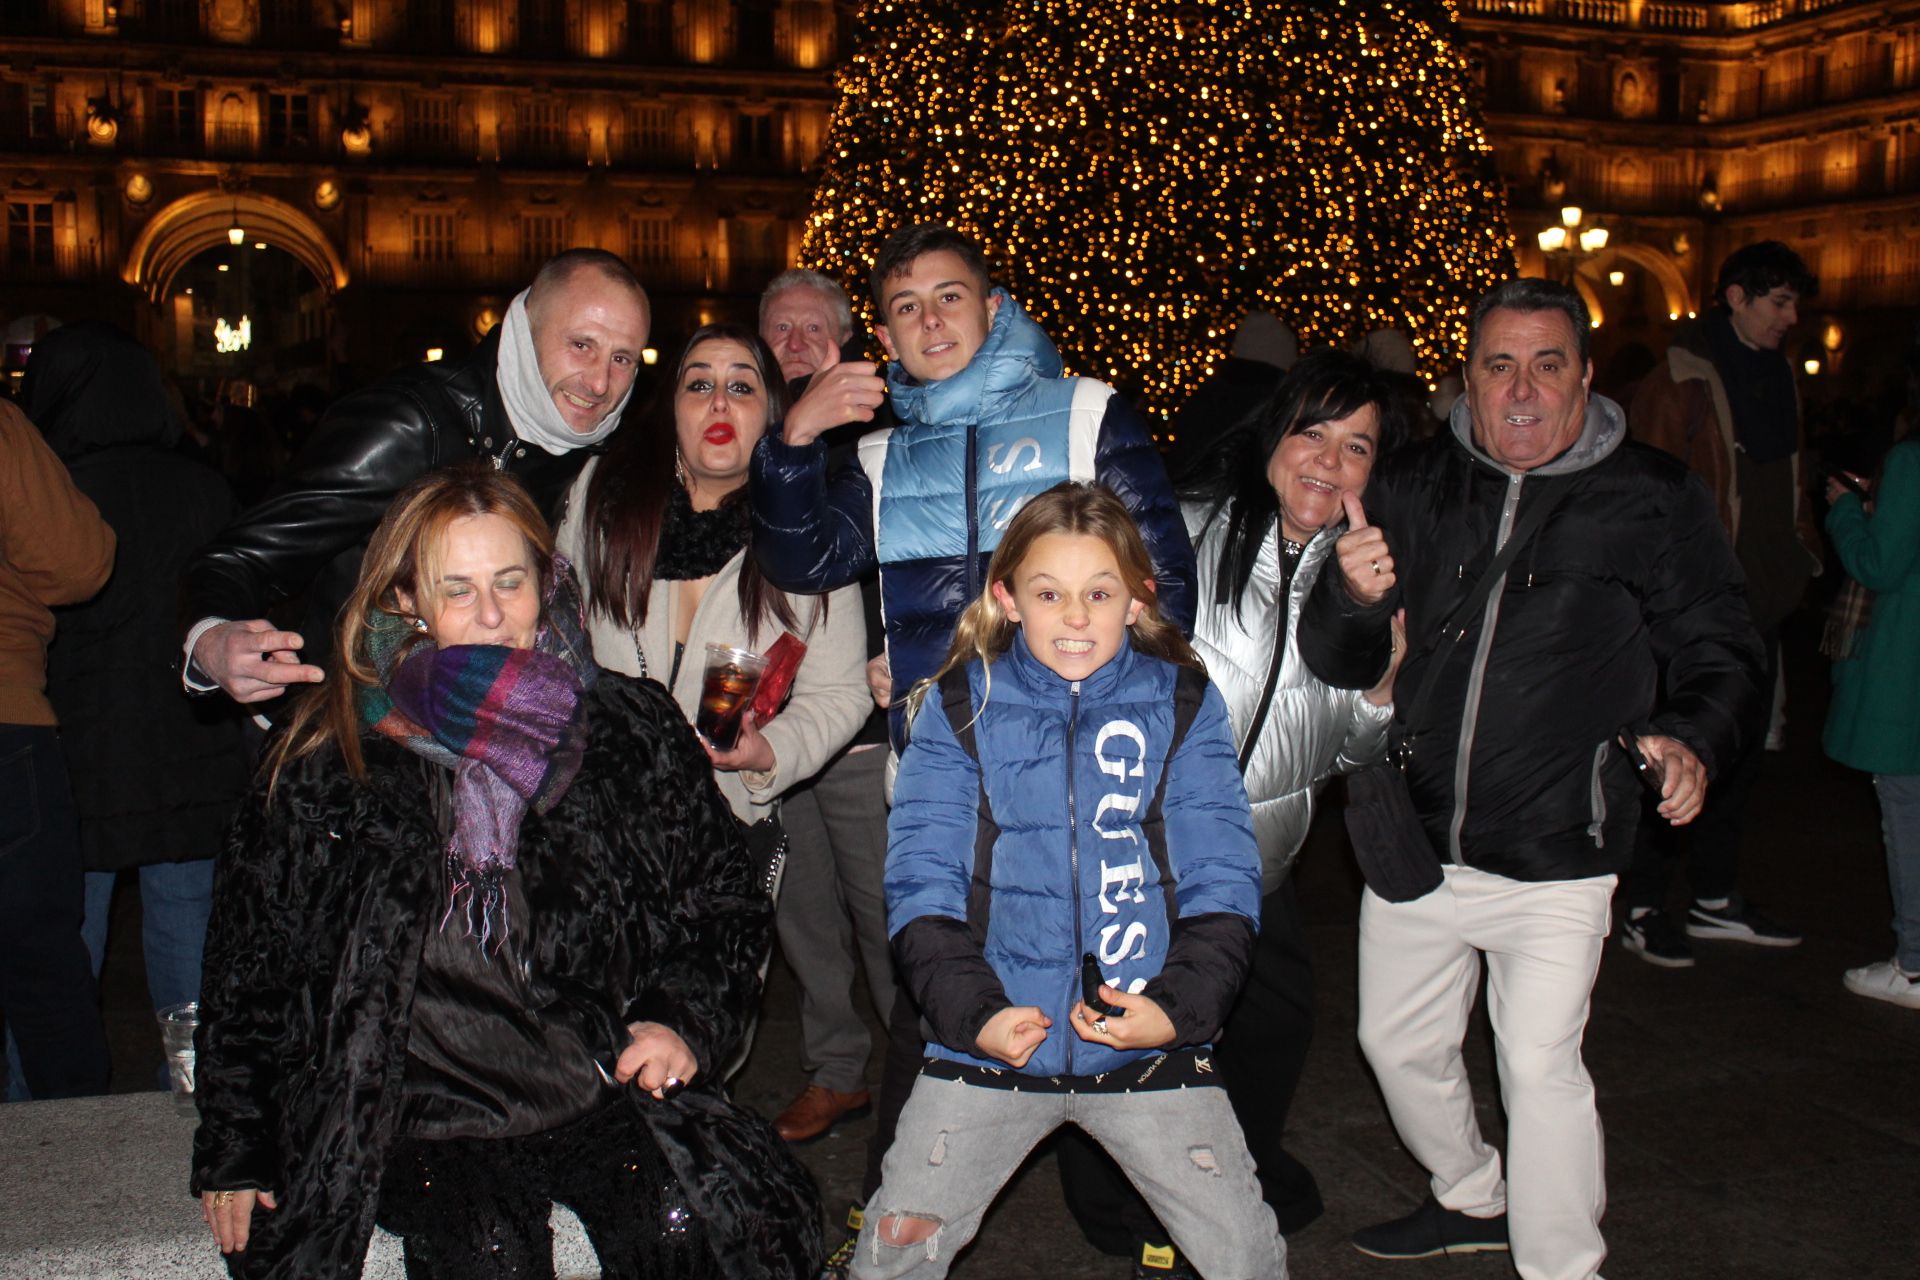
815 1110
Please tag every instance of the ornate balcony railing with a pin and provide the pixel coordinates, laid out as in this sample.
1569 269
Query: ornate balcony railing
508 269
1668 15
41 132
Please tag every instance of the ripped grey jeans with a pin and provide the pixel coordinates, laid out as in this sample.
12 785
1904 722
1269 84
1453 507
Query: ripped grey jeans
957 1145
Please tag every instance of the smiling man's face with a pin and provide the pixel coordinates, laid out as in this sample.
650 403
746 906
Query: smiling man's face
588 332
1527 387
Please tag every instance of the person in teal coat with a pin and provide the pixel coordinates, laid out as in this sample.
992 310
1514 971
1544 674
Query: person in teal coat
1874 723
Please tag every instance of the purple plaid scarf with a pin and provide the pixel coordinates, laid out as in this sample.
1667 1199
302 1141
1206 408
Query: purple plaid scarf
506 721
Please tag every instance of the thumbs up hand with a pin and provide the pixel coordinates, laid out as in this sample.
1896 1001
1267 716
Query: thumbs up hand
1363 554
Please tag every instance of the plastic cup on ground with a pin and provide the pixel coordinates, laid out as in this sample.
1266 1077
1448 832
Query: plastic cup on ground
732 678
177 1023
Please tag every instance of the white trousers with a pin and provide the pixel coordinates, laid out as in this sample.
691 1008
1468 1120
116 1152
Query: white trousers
1419 974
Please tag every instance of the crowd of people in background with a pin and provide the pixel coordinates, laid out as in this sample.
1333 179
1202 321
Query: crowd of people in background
398 707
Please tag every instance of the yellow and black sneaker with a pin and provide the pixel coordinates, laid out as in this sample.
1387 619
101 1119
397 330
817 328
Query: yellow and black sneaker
840 1261
1162 1262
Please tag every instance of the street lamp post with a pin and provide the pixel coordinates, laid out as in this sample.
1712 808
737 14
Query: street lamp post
1573 239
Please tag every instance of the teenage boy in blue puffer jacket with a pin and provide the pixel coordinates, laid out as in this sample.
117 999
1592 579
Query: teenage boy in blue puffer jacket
986 423
1070 791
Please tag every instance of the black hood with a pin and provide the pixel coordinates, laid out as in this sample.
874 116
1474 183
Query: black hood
90 386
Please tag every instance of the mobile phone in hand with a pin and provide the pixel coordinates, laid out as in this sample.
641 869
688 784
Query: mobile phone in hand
1650 773
1090 981
1847 481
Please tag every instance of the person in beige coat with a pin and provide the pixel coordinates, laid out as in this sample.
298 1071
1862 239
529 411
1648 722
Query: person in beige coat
658 528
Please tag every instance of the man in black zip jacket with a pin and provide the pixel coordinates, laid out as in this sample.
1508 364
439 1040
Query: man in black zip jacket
1621 619
535 396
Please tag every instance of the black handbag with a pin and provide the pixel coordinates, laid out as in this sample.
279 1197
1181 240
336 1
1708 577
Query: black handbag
766 852
1390 842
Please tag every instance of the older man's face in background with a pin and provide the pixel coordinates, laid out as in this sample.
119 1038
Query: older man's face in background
803 331
1527 387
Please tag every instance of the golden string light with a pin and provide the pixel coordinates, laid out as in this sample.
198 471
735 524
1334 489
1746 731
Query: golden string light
1144 174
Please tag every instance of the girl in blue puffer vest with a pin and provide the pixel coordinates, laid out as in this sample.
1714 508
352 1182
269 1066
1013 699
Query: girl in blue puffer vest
1072 890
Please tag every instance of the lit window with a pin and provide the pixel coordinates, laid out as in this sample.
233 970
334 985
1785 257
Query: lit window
289 119
542 235
433 237
30 233
652 240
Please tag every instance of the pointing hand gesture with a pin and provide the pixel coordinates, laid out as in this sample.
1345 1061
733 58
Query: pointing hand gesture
253 660
848 392
1363 553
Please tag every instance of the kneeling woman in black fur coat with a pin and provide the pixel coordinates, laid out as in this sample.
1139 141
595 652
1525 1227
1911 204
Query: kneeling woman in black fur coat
480 942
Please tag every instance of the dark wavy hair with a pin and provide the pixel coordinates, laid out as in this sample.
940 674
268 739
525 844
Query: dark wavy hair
1762 267
627 498
1232 482
909 244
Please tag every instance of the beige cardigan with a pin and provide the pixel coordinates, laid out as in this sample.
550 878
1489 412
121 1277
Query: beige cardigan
829 702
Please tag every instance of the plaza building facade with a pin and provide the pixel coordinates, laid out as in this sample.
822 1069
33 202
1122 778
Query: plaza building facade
365 182
1683 130
404 164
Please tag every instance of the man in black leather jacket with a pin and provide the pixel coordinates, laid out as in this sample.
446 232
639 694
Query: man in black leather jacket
550 382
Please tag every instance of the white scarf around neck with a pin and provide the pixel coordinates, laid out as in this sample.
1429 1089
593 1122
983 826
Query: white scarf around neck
530 408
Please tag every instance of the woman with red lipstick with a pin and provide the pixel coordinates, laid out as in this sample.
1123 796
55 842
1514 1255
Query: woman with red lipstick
1264 511
659 528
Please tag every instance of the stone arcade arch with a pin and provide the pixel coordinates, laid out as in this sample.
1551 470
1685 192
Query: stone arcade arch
1665 272
193 224
1660 268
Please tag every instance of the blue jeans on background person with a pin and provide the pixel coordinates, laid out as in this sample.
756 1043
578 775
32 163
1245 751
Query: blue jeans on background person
1900 826
175 900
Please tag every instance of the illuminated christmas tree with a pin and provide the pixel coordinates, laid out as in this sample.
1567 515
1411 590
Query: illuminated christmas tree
1145 173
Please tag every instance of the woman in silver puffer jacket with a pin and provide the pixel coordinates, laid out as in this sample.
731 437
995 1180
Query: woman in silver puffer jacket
1263 523
1264 510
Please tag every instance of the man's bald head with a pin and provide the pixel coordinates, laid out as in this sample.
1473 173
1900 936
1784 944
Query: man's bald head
559 272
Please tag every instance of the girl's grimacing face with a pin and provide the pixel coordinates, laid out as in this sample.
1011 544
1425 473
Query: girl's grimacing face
1070 602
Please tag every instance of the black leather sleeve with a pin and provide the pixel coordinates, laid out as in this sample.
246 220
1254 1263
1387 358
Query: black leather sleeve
366 449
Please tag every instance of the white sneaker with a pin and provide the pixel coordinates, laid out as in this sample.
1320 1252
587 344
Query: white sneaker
1885 981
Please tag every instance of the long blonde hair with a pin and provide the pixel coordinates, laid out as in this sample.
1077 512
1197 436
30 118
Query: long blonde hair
985 631
402 554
